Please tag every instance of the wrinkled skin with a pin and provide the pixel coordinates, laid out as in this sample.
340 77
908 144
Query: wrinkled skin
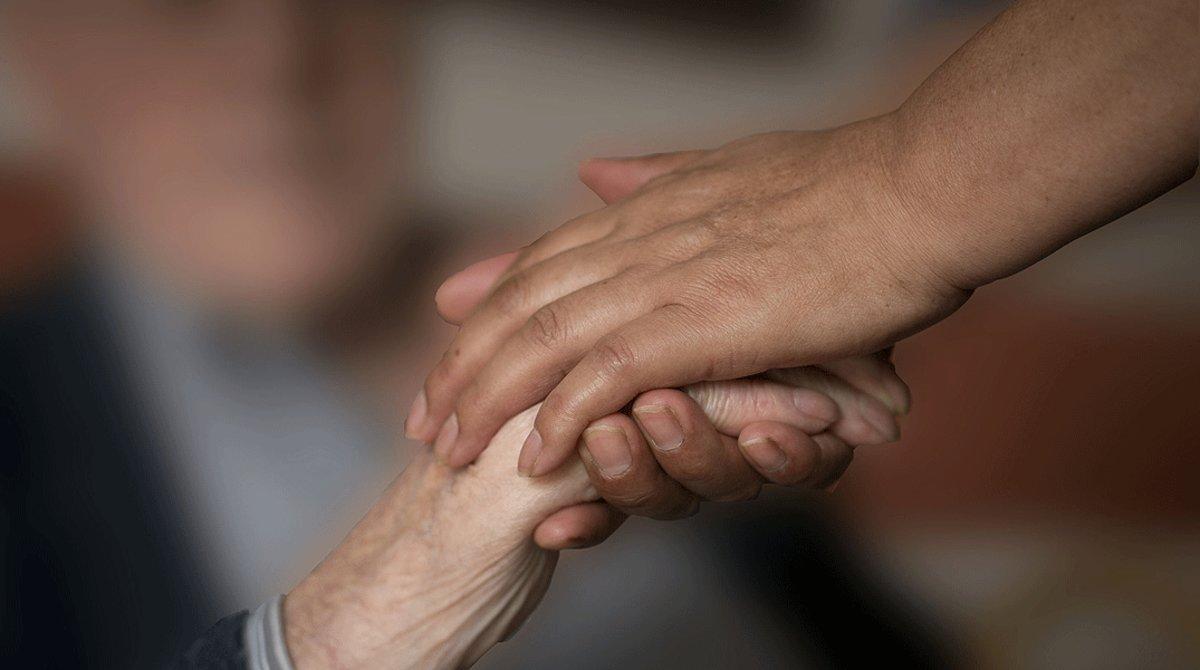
445 564
441 568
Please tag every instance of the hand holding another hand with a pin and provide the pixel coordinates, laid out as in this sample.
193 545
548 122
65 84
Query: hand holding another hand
443 566
716 441
711 440
772 252
449 562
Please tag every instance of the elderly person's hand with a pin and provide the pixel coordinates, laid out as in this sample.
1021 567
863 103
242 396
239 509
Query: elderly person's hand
445 564
795 248
441 568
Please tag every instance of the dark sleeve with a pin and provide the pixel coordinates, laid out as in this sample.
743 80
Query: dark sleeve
222 647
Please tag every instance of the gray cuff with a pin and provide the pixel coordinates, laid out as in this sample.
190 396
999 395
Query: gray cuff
265 647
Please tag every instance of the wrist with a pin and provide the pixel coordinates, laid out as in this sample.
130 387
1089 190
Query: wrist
441 568
983 211
923 221
889 234
437 619
406 588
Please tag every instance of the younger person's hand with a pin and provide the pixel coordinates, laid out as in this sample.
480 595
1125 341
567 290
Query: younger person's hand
722 441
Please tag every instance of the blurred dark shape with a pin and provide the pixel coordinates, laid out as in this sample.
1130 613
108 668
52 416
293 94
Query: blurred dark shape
771 584
32 231
730 25
1026 407
847 616
97 571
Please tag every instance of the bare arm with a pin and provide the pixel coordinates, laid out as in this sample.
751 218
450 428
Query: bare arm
1058 117
794 248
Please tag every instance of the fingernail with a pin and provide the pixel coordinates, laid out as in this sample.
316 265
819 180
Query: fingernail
880 418
446 438
529 453
765 453
415 423
609 449
660 423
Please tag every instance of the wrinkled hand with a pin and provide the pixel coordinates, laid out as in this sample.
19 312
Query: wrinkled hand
772 252
440 569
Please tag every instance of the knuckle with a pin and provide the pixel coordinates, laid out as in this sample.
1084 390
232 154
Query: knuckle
546 327
514 294
639 498
693 475
737 286
554 407
679 243
472 402
686 466
632 500
642 268
707 229
614 355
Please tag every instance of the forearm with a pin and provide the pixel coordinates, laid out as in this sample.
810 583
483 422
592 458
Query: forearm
1058 117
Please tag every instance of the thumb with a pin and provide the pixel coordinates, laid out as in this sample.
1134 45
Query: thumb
615 178
458 296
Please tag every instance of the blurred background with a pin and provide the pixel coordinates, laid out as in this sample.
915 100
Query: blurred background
222 225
